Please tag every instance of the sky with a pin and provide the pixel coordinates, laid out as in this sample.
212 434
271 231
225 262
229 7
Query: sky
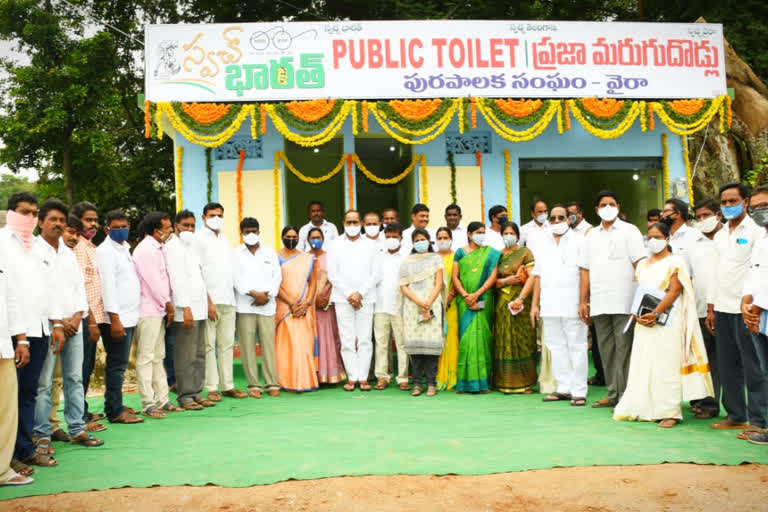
7 50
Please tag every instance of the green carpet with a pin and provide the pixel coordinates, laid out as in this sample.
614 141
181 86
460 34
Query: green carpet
335 433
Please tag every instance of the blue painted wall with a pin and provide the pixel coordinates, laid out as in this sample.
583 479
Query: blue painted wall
576 143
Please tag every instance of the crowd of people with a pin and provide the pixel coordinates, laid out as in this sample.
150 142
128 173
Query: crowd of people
677 314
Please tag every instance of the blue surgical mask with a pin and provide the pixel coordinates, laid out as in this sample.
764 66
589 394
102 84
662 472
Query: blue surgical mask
421 246
732 212
316 244
119 235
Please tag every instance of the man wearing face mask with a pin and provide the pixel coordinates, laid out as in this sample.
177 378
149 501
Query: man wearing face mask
675 216
215 256
555 288
386 323
190 301
155 314
121 293
419 219
317 220
576 218
537 225
699 256
498 216
737 356
351 272
257 279
373 232
612 251
85 252
754 302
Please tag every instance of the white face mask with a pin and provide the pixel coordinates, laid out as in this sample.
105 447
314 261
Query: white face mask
608 213
509 240
708 225
372 231
392 244
443 245
215 223
541 218
186 236
656 246
478 238
352 231
251 239
559 228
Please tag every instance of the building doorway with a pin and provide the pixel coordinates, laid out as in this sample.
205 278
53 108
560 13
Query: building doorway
638 183
385 158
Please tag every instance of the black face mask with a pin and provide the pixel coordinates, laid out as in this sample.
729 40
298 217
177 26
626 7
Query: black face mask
668 220
290 243
502 219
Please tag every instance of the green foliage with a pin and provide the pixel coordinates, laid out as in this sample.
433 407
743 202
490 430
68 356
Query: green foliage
759 175
10 184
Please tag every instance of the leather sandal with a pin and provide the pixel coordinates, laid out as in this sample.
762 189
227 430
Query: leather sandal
127 418
206 403
431 390
87 440
416 391
232 393
603 403
38 459
273 392
169 407
255 393
669 422
44 447
95 426
154 413
404 386
364 386
21 468
349 386
192 406
381 384
214 396
60 436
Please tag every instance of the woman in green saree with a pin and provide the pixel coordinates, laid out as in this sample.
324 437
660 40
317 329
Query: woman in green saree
474 273
514 345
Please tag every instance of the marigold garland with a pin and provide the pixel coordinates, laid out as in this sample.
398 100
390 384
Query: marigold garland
665 163
423 180
687 125
239 188
560 121
687 163
354 118
385 110
650 117
461 119
311 110
179 198
206 113
518 108
263 119
434 130
212 126
147 119
276 201
386 181
350 182
607 133
514 135
687 107
279 155
317 139
607 107
508 178
159 123
210 141
308 125
514 115
415 110
473 110
566 116
479 157
364 116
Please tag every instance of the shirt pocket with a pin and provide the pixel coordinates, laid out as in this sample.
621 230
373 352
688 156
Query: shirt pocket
616 250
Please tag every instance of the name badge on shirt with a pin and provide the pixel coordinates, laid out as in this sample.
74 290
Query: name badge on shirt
742 241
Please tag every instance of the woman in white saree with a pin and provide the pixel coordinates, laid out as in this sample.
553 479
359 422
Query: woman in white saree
669 362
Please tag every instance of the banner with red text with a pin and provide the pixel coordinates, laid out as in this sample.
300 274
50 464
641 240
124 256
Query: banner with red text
428 59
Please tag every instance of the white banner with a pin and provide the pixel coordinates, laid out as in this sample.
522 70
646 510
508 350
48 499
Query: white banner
428 59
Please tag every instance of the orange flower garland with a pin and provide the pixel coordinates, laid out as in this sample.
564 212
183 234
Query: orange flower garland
364 115
650 116
415 110
605 108
205 113
567 117
147 122
263 119
518 108
311 110
350 182
473 112
687 107
239 178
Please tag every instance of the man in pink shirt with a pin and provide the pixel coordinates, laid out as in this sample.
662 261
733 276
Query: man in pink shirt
155 313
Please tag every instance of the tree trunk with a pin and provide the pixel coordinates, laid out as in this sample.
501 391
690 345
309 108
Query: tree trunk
66 167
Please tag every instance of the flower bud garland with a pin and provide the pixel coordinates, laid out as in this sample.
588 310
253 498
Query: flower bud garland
508 178
665 163
239 188
179 198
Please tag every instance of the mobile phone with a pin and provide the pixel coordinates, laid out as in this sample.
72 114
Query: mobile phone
421 317
481 304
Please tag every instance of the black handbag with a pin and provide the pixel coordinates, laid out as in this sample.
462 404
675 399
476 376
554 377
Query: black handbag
648 304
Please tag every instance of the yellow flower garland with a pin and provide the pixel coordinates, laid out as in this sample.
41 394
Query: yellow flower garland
423 180
688 129
461 118
354 117
179 198
436 129
276 187
317 139
384 181
665 163
279 155
209 141
508 178
687 162
159 123
634 111
518 136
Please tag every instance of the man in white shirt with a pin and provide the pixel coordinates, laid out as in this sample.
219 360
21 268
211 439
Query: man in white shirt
40 310
68 283
215 256
373 230
538 224
556 287
754 303
612 251
453 222
121 293
737 357
351 272
498 217
675 215
419 219
190 301
576 219
14 355
257 278
701 257
389 216
386 320
317 220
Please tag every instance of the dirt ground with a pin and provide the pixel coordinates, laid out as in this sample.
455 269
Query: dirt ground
669 487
